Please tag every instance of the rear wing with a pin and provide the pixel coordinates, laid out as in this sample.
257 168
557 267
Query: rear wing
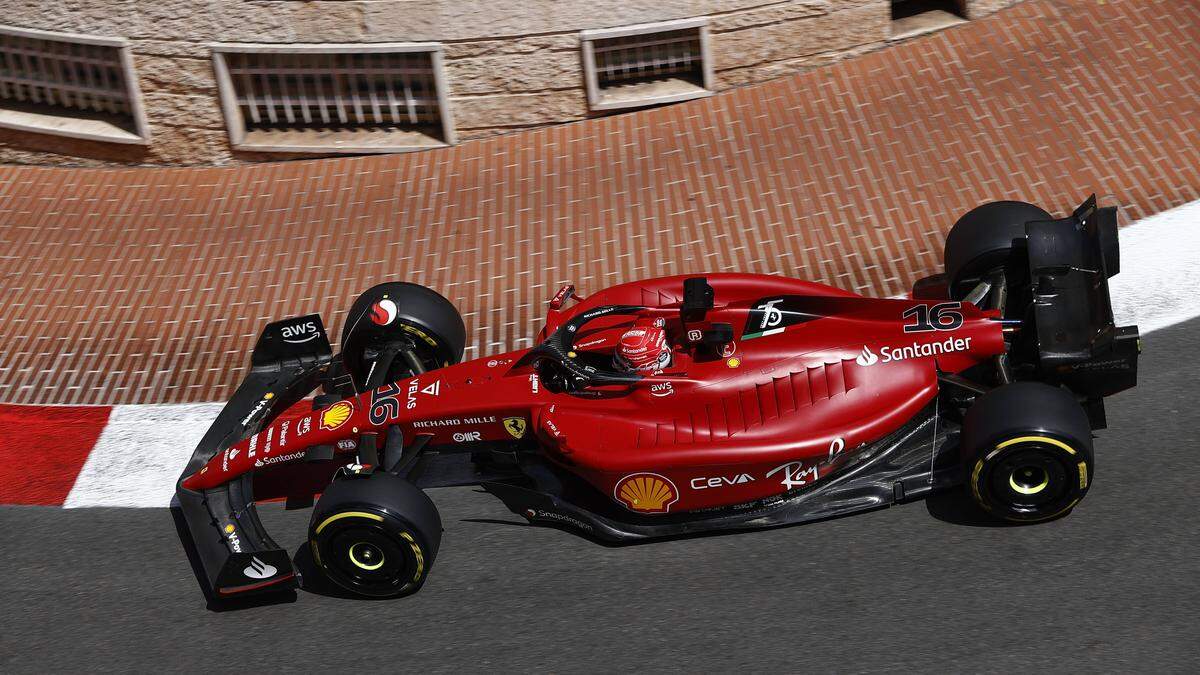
1079 344
220 528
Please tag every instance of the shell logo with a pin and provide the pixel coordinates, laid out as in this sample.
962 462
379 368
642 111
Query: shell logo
336 415
646 493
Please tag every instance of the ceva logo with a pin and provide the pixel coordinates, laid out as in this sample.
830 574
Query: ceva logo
866 357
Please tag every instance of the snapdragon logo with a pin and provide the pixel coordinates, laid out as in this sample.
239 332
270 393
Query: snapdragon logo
915 350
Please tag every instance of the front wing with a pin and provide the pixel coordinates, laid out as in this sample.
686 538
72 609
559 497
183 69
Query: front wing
226 542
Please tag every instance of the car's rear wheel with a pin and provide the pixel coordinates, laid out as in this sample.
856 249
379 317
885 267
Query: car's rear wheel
375 536
1027 450
984 240
411 315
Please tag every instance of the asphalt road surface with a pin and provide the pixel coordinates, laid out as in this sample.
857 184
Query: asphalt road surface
1113 587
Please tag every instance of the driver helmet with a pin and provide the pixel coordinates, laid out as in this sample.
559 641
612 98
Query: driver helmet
643 347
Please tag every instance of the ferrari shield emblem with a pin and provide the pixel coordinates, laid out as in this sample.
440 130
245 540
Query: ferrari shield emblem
515 426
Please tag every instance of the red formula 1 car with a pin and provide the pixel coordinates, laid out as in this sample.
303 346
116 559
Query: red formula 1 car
770 401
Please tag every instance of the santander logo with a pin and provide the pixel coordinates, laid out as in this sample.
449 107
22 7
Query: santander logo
259 569
887 353
383 312
866 357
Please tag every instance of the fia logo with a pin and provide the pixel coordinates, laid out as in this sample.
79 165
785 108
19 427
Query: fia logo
301 332
772 316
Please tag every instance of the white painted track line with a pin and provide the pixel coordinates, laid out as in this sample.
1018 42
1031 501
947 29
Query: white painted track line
140 454
144 447
1159 283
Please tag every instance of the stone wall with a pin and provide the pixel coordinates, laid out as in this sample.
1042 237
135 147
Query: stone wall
509 64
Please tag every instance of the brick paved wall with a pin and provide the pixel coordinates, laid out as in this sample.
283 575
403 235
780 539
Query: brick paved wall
150 285
509 65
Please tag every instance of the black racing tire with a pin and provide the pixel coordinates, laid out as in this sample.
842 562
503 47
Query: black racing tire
1027 451
985 239
376 536
399 310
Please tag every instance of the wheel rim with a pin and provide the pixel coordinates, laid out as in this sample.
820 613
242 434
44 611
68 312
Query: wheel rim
1028 480
366 556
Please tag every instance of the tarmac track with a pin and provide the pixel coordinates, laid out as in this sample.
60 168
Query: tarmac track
1113 587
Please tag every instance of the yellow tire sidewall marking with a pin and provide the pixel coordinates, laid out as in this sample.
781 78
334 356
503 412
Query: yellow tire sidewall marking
1034 439
348 514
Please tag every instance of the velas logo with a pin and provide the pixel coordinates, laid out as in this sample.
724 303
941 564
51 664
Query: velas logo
866 357
258 569
336 415
887 354
646 493
384 312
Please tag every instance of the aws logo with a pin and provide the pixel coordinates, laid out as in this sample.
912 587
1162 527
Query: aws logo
301 332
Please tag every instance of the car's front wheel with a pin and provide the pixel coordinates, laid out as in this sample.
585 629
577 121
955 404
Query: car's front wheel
405 316
375 536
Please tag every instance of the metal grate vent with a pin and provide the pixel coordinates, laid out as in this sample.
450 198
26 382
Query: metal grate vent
67 84
653 56
647 64
338 100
